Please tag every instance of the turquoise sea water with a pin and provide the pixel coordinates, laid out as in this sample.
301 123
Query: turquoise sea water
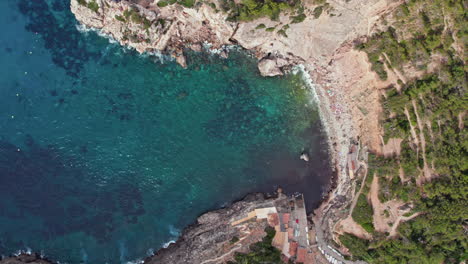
106 155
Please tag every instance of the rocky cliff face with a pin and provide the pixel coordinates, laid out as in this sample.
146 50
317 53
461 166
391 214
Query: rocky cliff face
323 42
153 29
212 239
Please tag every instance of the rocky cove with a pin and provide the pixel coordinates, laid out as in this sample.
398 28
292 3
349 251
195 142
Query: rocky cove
322 46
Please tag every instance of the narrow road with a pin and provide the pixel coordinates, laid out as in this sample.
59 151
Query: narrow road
363 182
319 231
327 251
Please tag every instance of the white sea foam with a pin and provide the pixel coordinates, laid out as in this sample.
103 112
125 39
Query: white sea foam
85 29
300 69
138 261
167 244
156 55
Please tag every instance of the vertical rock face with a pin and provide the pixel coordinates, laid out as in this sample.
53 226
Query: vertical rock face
148 29
144 25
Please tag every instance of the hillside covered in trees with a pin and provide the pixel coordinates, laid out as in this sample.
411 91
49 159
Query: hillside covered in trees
425 43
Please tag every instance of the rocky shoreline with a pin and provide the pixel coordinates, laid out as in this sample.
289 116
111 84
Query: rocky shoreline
339 76
211 235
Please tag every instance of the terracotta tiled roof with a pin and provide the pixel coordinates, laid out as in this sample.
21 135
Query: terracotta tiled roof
290 233
301 255
273 220
292 248
286 218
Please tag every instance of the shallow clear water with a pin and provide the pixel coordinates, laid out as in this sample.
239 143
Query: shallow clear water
106 154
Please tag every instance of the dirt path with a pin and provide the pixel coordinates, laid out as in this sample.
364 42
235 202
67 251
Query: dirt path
396 71
239 245
392 148
214 260
379 223
401 174
461 118
348 225
363 182
427 174
400 219
431 133
413 132
387 216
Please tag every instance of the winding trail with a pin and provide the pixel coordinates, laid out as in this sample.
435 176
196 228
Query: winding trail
426 171
214 260
355 199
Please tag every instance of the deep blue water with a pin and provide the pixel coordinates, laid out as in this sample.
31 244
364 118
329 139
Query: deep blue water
106 154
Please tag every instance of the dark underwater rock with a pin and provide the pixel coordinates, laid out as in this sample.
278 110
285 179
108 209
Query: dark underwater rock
24 258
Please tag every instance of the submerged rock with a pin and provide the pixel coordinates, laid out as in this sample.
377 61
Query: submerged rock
26 258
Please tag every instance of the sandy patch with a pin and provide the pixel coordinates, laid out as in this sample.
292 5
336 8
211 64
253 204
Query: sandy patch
348 225
387 216
392 148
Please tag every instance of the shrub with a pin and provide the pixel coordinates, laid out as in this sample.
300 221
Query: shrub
298 19
249 10
120 18
93 6
187 3
82 2
261 252
260 26
362 213
234 240
282 32
318 11
163 3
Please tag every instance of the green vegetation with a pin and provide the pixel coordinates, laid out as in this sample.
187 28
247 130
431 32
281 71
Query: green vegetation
163 3
419 32
91 5
362 213
261 252
318 11
298 19
213 5
234 240
270 29
282 32
438 235
120 18
260 26
134 15
186 3
249 10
